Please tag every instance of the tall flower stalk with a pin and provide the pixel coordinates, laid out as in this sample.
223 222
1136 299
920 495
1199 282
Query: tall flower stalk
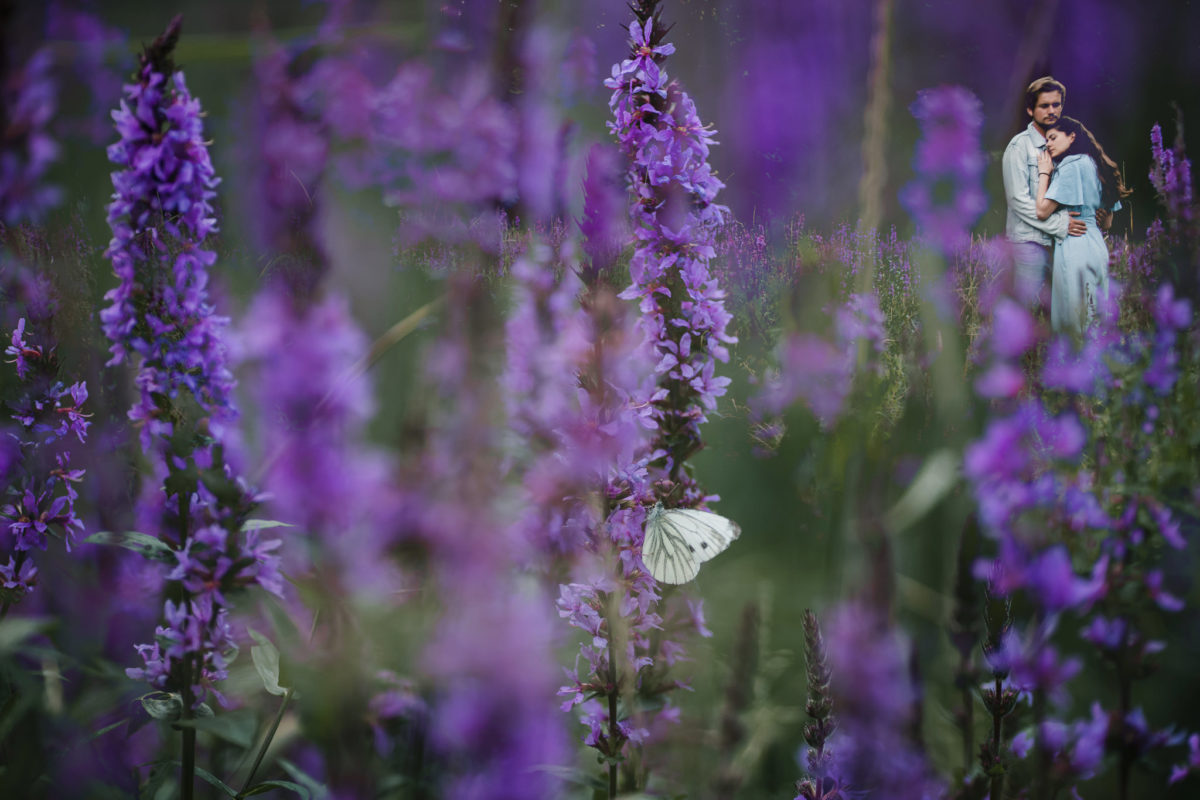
675 219
683 323
161 319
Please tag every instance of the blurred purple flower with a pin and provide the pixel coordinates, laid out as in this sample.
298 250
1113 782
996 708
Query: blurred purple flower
1013 329
946 197
1033 664
29 98
1171 174
431 149
605 212
874 698
98 56
1181 771
291 150
822 373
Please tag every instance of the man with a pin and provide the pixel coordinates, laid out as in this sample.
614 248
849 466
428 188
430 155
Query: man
1033 239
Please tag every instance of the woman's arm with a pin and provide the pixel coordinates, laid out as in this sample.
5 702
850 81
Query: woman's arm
1045 166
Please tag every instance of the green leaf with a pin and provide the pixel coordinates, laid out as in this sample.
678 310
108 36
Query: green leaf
939 474
217 782
259 524
16 630
266 661
315 787
266 786
228 727
106 729
163 705
589 779
142 543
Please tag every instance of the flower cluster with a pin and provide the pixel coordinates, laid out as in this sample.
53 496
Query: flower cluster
497 632
876 697
318 472
822 373
35 464
571 372
160 215
675 219
1071 530
683 328
1171 175
193 649
428 148
289 161
160 314
946 196
604 224
28 102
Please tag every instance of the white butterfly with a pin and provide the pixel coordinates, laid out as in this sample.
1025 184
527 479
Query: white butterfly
679 540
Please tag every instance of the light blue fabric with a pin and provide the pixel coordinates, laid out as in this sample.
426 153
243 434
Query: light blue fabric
1019 167
1079 279
1032 262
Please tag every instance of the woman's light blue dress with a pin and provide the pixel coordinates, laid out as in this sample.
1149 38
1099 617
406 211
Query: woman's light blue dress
1080 278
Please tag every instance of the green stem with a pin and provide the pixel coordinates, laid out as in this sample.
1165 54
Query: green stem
997 720
187 776
968 720
1041 779
262 750
1126 762
613 730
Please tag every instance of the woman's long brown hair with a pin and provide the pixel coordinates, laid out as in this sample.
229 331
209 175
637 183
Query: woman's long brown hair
1112 188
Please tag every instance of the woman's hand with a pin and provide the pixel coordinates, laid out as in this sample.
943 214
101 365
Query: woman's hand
1045 163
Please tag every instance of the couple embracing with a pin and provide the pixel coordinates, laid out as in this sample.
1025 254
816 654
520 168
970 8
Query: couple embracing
1061 190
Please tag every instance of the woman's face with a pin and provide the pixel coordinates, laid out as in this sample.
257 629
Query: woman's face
1058 143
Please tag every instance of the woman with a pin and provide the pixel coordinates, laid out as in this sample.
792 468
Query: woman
1073 171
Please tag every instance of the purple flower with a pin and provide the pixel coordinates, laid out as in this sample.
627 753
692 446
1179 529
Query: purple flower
822 373
874 698
160 216
29 99
946 197
198 629
604 226
430 149
38 500
1171 174
1034 665
21 351
1181 771
161 318
291 151
1013 329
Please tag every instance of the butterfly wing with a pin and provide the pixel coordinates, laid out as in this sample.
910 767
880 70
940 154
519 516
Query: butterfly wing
707 534
678 541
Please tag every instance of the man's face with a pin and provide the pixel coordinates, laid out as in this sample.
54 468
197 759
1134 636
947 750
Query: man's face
1046 109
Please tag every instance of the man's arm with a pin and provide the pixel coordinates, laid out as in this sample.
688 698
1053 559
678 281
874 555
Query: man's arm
1016 192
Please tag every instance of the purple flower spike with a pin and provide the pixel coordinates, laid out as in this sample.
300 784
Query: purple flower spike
161 320
29 100
160 215
946 197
